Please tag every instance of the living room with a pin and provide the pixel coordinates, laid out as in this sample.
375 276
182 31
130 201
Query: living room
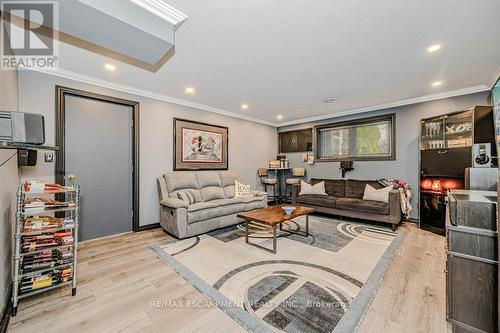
182 166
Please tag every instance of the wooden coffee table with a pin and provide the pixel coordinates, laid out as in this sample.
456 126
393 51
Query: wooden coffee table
274 216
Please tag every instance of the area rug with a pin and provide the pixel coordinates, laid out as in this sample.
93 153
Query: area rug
323 283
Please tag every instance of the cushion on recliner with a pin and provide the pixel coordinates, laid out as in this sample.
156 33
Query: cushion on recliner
228 177
189 196
249 198
360 205
229 206
356 188
316 200
229 191
226 202
255 203
333 187
201 211
232 209
212 193
208 178
180 181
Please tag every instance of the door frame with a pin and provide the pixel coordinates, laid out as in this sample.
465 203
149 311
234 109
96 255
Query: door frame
60 167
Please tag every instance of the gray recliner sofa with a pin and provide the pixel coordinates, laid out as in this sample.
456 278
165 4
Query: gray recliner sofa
216 205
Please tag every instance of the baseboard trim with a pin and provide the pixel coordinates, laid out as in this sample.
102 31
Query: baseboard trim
412 220
149 226
6 312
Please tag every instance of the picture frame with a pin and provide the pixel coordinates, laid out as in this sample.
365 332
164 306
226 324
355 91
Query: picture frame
200 146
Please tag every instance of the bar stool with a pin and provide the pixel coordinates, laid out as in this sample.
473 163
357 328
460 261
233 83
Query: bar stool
297 175
268 182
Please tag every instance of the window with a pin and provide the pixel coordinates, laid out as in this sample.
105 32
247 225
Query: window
363 139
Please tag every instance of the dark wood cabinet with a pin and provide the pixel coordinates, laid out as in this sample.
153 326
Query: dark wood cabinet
445 162
446 144
295 141
472 265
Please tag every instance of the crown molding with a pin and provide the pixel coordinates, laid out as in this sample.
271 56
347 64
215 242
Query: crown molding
162 10
415 100
148 94
495 78
144 93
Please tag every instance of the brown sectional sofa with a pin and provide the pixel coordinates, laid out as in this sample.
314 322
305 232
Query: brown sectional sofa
345 198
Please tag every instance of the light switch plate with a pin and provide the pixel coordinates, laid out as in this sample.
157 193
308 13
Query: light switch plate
49 157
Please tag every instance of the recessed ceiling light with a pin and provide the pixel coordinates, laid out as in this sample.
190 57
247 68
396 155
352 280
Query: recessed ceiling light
329 100
244 106
437 83
110 67
189 90
433 48
279 117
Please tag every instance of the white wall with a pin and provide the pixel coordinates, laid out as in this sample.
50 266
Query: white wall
9 179
405 167
251 145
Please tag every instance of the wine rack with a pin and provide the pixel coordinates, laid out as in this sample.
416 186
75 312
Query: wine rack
45 246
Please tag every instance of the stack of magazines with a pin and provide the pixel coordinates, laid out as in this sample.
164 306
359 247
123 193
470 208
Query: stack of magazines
41 223
45 259
37 243
34 186
45 280
45 239
64 237
40 242
41 204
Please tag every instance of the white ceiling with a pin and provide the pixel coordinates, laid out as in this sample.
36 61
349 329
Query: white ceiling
284 57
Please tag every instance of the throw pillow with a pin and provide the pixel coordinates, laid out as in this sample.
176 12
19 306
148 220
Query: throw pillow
241 190
377 195
188 196
306 188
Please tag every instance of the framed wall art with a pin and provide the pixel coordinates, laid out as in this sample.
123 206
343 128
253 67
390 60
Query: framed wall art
199 146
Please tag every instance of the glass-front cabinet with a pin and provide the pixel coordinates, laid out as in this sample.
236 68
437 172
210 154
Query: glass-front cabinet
449 131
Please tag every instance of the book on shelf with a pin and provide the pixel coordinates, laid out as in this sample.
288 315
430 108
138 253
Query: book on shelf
49 279
41 223
46 203
46 259
39 242
35 186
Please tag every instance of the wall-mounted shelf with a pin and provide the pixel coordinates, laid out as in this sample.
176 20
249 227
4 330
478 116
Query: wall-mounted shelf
11 145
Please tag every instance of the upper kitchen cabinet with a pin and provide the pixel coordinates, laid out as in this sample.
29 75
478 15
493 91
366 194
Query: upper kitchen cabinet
295 141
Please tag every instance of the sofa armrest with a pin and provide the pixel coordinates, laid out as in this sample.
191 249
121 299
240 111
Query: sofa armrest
259 193
295 192
395 206
174 203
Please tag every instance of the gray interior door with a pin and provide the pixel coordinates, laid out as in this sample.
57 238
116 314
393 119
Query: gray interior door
98 150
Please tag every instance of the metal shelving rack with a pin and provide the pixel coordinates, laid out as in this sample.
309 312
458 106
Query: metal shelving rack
71 195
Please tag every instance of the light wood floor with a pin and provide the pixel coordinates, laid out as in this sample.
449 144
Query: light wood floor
122 285
411 297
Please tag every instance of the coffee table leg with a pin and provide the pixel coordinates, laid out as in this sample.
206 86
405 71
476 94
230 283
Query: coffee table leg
274 239
307 225
246 231
304 233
